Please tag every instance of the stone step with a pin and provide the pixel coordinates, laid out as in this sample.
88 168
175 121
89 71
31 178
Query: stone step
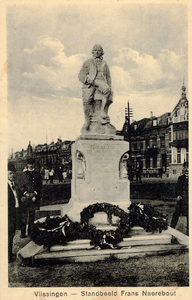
81 251
146 240
105 227
76 242
71 247
133 241
30 250
137 230
95 255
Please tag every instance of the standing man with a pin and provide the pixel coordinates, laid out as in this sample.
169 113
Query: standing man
51 175
60 173
46 177
138 171
182 193
30 196
95 75
13 210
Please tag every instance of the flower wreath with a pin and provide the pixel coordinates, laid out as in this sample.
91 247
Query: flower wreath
106 238
60 230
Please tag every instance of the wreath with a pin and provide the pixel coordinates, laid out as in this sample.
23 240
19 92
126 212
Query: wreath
147 217
107 238
60 230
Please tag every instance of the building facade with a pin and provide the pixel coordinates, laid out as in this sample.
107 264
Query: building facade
179 145
49 155
149 145
160 144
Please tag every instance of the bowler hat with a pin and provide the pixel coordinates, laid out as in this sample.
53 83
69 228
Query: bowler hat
30 160
185 164
11 167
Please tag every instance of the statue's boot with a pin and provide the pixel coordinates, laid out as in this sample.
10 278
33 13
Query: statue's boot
86 125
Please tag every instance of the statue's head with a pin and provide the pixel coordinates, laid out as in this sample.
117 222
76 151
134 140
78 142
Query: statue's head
97 51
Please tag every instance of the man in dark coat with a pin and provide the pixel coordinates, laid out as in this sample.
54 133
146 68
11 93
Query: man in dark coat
138 171
31 183
182 193
13 210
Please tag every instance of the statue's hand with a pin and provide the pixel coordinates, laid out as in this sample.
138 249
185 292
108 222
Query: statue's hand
89 80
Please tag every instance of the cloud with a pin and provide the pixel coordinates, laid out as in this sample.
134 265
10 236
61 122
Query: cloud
170 64
122 81
133 71
49 71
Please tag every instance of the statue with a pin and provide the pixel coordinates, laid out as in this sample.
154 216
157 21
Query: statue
96 79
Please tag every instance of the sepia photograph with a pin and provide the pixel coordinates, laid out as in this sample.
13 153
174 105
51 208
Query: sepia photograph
97 162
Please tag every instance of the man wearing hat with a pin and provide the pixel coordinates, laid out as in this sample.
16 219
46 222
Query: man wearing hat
13 209
31 183
182 193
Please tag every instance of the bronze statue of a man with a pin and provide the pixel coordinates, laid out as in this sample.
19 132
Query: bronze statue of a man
95 76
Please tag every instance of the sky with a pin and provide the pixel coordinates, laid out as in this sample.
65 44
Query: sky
145 48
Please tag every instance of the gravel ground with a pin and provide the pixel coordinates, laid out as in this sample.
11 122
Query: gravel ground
167 270
161 270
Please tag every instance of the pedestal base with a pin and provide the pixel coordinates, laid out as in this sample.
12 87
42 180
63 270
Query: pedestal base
99 175
135 246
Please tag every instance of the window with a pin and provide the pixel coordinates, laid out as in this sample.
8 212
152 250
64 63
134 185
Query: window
155 162
185 134
154 142
134 146
147 162
138 145
171 134
155 122
179 155
182 110
162 142
174 135
174 155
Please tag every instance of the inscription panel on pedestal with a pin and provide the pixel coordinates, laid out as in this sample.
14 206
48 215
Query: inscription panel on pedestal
102 182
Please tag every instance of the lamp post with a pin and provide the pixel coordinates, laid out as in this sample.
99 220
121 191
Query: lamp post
128 115
127 136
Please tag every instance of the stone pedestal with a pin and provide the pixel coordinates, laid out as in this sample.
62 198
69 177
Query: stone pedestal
99 173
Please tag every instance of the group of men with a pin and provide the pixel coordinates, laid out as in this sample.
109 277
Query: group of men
23 199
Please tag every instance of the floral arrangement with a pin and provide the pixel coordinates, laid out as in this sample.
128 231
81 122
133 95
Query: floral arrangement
146 217
60 230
